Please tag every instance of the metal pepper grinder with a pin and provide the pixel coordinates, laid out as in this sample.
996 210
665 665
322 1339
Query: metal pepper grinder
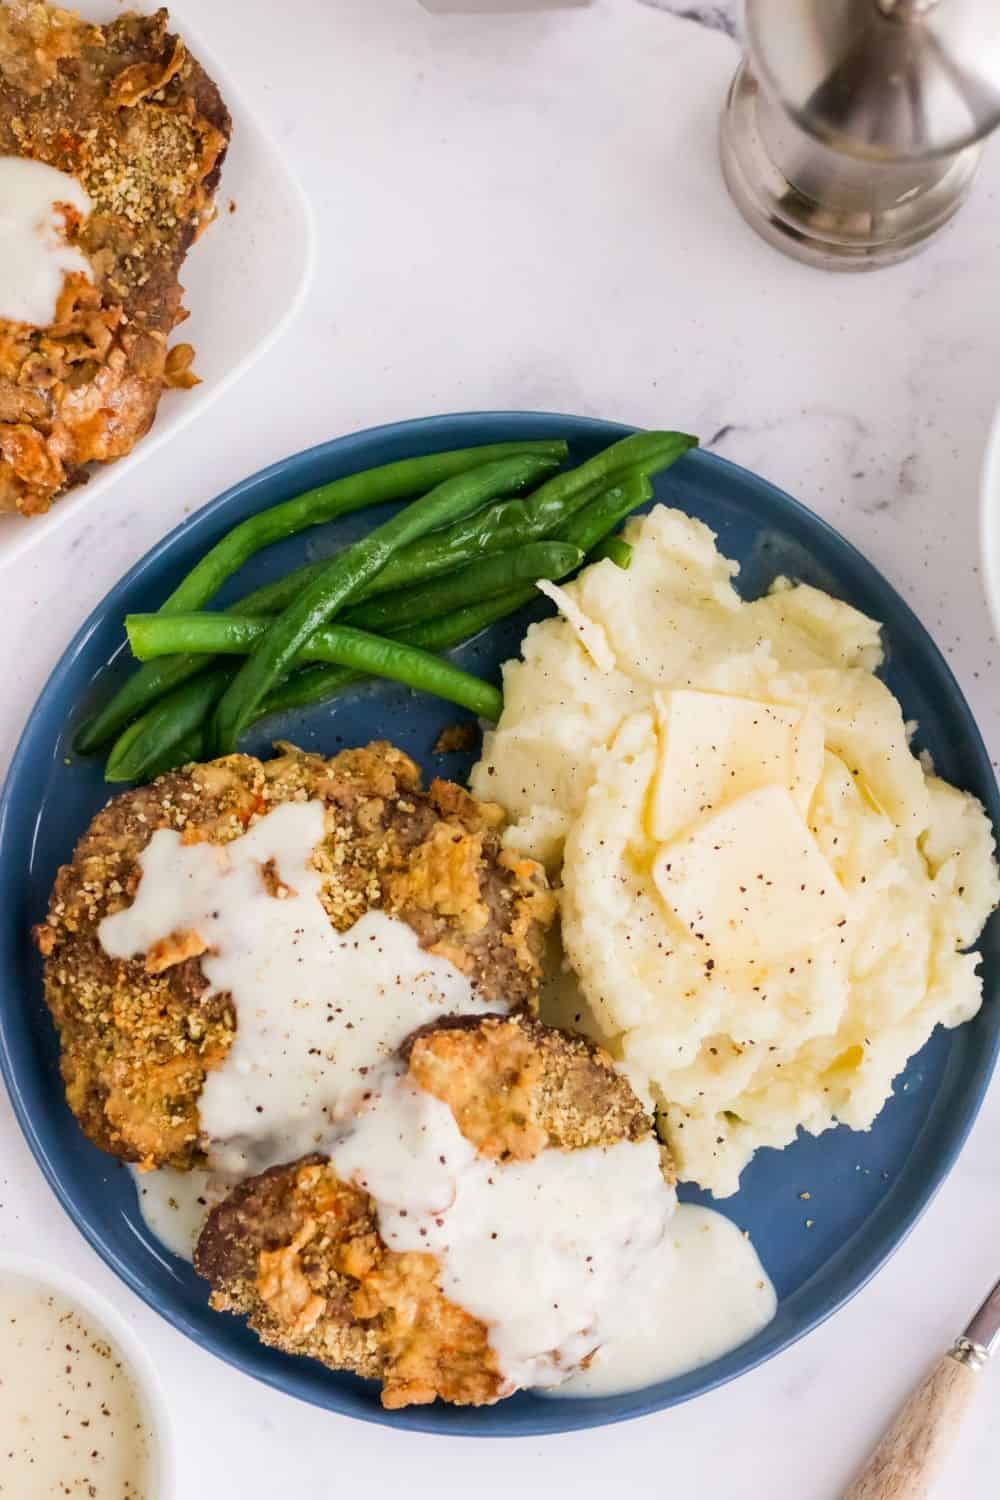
854 128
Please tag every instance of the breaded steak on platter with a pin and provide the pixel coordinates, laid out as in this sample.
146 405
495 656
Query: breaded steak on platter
133 117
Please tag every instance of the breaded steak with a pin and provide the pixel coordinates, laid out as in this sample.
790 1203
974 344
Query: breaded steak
138 1036
126 110
298 1251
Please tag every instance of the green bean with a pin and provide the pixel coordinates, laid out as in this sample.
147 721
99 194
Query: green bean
619 552
606 511
316 684
495 529
503 528
396 481
167 725
508 526
494 532
402 480
347 574
327 681
144 688
203 633
463 624
207 634
480 580
192 748
161 676
307 686
383 614
272 598
340 645
542 514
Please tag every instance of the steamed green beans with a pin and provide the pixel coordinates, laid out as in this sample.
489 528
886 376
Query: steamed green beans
396 481
143 748
403 480
480 580
348 573
376 656
156 678
198 635
595 520
171 731
541 514
318 683
204 633
467 569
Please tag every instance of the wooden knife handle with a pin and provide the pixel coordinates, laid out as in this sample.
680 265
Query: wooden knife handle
909 1458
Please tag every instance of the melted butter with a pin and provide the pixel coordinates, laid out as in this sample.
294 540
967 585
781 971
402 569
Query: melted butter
316 1010
71 1423
34 255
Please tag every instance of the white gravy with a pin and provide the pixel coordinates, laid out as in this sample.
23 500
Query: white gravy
71 1422
708 1293
705 1293
316 1010
34 255
572 1255
575 1256
175 1205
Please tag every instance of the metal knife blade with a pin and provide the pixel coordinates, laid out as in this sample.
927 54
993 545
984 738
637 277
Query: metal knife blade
984 1329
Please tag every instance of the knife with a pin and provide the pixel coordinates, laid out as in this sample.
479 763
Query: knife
910 1456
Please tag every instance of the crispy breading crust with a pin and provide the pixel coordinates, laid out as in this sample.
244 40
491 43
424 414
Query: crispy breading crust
138 1036
298 1252
126 110
517 1088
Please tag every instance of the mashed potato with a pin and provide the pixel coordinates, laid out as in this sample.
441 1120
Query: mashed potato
766 896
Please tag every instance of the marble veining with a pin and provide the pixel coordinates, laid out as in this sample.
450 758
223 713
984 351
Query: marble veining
715 17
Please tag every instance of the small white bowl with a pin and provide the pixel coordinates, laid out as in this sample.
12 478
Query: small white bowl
128 1344
989 523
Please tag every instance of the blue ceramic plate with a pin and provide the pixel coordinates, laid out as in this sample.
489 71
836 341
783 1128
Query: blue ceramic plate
866 1190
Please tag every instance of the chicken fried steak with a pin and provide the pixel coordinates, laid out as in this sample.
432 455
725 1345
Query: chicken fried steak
127 111
140 1035
299 1251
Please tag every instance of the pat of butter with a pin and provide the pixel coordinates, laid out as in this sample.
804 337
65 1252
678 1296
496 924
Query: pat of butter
750 882
715 748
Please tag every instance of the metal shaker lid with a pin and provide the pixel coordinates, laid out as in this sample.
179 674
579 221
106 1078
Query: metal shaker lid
882 80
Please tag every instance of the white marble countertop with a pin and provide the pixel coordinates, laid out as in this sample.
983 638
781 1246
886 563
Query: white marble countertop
526 211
